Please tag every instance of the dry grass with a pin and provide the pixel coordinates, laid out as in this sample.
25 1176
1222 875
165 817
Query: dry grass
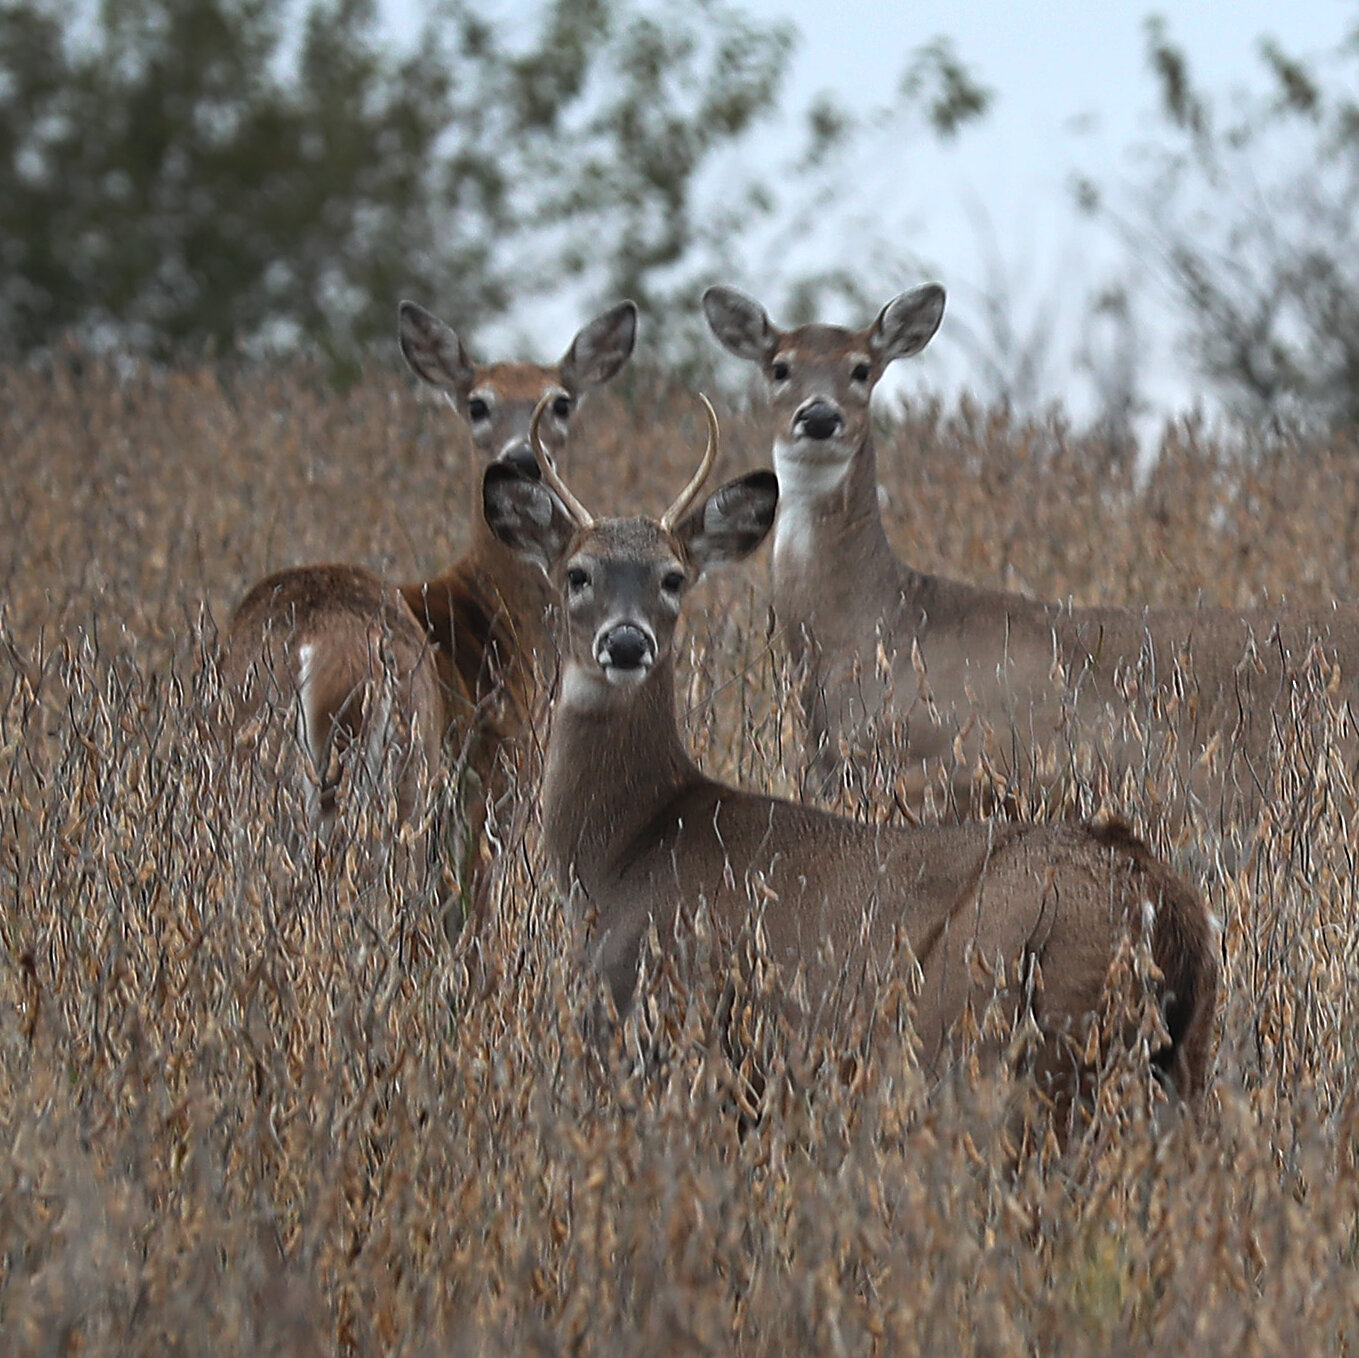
252 1103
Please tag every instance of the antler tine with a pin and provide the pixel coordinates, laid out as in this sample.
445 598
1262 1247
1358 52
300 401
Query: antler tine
582 516
690 492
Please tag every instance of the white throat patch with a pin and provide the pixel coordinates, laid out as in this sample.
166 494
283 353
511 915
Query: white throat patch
584 688
801 484
802 477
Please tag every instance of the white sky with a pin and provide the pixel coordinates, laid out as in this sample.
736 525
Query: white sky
1072 92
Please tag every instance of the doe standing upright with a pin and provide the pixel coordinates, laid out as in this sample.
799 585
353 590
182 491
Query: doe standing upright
385 676
966 669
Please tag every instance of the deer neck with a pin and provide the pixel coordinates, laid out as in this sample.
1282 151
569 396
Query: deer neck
487 618
832 560
615 761
516 588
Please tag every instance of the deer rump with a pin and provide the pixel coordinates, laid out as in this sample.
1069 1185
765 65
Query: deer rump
338 648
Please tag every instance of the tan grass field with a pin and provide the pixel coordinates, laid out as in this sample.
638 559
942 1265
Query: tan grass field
253 1102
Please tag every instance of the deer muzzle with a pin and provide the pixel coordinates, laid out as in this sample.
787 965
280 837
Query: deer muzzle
625 651
818 420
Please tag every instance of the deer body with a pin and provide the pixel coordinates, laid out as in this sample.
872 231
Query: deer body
635 832
466 644
484 622
876 638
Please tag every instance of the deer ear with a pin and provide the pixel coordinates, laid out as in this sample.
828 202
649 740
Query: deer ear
907 323
740 323
732 522
432 349
525 515
600 348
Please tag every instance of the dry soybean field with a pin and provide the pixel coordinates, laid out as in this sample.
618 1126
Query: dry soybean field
253 1101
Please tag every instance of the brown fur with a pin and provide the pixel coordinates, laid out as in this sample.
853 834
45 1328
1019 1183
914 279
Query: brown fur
324 642
1182 938
485 624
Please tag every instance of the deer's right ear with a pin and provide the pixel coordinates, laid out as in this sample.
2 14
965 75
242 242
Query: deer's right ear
432 349
732 522
740 323
525 515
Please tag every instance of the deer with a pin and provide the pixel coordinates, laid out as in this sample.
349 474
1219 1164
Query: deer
975 674
635 834
438 672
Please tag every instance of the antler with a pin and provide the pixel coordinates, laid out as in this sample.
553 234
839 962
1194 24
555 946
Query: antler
582 516
690 493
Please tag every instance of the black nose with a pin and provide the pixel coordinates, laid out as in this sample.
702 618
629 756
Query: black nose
521 458
819 421
625 647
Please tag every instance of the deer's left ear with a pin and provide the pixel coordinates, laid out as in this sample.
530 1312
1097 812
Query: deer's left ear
907 323
732 522
600 348
525 515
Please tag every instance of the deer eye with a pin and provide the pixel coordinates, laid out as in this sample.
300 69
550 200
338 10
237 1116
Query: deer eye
477 410
780 370
577 578
561 407
861 372
672 582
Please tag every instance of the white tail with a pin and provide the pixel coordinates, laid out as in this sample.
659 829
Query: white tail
954 651
635 831
450 660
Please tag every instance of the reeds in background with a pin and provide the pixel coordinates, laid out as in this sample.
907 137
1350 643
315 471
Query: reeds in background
252 1101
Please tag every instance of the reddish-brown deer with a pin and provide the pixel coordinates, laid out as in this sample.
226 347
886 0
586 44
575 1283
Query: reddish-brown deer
636 834
440 672
964 671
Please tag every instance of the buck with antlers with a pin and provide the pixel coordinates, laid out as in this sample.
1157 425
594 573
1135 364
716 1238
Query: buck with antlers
634 831
966 670
395 672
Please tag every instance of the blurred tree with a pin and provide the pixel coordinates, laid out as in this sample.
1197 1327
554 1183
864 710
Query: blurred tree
165 179
1250 214
236 174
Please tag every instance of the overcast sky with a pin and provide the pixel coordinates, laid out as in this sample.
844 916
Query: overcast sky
1072 94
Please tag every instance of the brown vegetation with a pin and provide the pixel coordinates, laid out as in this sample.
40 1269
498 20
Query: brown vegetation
251 1105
